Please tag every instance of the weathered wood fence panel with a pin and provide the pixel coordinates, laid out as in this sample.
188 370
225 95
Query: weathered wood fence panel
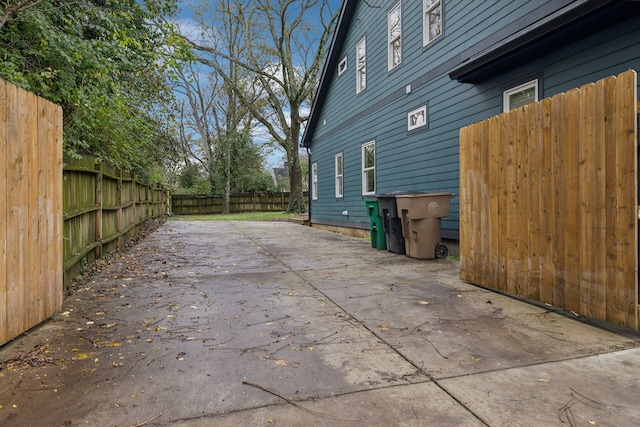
102 207
30 210
548 197
249 202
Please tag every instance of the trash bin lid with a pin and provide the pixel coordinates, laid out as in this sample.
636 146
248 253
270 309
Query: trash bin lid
415 194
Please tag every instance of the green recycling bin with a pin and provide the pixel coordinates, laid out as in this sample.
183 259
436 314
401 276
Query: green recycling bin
376 228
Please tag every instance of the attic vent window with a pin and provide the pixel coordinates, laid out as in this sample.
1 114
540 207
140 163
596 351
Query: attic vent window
342 66
417 118
520 95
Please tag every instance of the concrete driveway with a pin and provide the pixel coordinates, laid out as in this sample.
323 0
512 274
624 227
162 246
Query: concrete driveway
273 323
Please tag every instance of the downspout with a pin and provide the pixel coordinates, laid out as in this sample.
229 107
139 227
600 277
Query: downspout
310 186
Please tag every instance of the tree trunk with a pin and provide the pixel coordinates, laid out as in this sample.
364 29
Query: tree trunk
297 203
227 176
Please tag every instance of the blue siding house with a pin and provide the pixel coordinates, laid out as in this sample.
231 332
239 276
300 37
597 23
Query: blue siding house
403 76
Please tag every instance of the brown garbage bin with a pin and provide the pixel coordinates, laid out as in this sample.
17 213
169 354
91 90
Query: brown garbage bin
420 214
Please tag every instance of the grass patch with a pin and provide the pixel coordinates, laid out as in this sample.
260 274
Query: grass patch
247 216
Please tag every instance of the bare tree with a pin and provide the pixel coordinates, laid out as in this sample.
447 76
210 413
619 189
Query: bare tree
215 113
281 44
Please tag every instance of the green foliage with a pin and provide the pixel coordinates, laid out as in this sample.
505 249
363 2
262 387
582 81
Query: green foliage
246 166
192 181
100 60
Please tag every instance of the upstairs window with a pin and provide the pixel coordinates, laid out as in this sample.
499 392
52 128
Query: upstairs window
339 176
431 20
369 168
394 33
314 181
520 95
361 71
417 118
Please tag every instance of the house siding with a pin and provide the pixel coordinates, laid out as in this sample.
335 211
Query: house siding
426 159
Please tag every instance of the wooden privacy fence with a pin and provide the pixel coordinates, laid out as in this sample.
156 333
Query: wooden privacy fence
548 201
102 207
30 210
241 202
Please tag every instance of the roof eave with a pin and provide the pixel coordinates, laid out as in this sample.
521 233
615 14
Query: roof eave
330 64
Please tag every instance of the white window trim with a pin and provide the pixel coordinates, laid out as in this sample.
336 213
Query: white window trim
507 93
422 110
314 181
365 170
398 38
339 176
361 68
426 34
342 66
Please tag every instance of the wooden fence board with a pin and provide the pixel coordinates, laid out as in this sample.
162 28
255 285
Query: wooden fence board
546 202
17 212
511 182
549 201
33 287
625 291
4 155
532 213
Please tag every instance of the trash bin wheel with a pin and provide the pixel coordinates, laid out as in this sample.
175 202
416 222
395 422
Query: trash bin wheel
441 251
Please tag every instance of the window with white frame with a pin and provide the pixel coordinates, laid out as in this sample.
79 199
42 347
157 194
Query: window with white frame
361 69
339 176
314 181
520 95
342 66
417 118
394 33
431 20
369 168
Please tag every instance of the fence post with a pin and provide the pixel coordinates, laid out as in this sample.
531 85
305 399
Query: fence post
98 229
119 208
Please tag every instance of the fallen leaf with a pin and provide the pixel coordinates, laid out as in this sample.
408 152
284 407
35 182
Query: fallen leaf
109 344
159 328
382 327
592 422
81 356
281 362
544 380
149 340
292 293
476 359
423 302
